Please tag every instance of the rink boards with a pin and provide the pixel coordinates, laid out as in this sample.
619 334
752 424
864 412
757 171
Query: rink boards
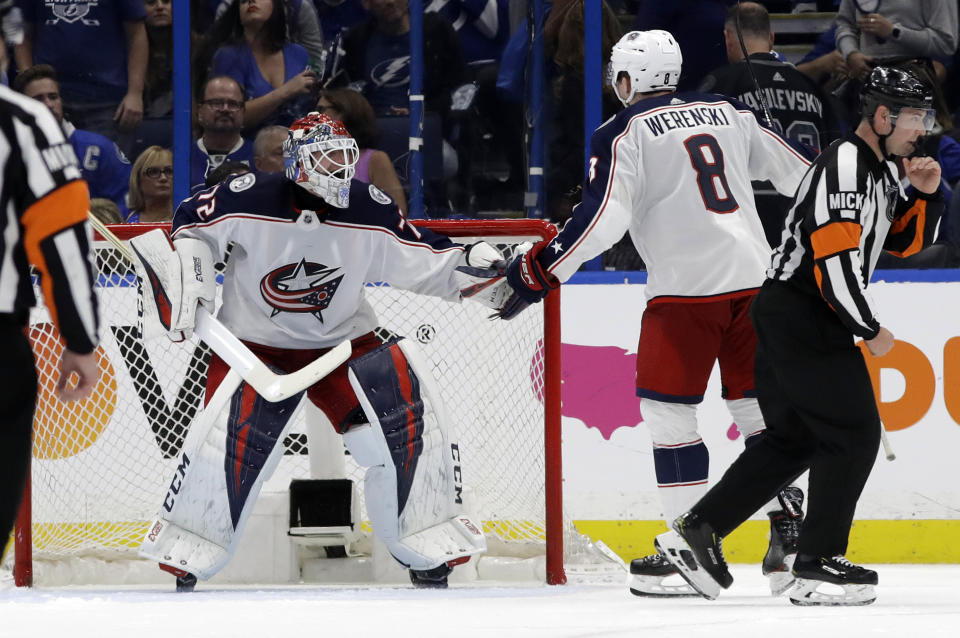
910 508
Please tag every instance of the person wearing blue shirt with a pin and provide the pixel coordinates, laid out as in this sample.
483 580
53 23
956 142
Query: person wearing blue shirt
103 165
220 115
482 25
278 85
100 51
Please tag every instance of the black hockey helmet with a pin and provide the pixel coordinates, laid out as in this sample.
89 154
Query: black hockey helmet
896 88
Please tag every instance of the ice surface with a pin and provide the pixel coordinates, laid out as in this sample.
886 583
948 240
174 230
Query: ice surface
913 602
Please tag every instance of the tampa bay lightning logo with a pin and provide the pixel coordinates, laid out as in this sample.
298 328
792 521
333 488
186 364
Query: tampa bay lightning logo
72 11
301 287
392 72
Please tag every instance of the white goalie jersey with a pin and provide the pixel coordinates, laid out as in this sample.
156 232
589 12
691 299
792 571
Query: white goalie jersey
296 274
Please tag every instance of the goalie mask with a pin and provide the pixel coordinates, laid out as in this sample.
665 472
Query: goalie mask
320 156
652 59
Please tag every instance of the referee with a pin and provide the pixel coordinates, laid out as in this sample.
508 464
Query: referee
43 212
811 380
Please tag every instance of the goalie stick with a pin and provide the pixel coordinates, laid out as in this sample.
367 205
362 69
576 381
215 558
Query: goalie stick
268 384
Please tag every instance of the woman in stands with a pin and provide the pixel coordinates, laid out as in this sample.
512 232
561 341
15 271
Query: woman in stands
150 199
374 166
253 49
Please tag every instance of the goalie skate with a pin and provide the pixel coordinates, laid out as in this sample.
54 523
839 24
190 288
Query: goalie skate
650 576
784 531
818 580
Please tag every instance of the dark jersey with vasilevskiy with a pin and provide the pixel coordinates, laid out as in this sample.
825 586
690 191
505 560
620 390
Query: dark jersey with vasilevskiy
849 207
798 107
296 275
675 171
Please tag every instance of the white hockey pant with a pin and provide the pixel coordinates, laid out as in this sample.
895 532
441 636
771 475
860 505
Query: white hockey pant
412 488
232 448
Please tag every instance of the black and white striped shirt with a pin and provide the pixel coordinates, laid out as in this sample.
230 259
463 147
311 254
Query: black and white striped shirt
43 222
850 206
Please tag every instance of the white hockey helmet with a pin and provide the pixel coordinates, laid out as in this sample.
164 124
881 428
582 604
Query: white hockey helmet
652 59
321 156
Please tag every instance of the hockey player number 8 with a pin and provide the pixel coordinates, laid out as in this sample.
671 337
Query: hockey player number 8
706 156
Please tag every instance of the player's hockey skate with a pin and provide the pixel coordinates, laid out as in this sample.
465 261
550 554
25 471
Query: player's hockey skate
819 578
696 551
649 576
435 578
784 532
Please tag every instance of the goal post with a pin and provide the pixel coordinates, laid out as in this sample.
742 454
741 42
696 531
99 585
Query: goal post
101 467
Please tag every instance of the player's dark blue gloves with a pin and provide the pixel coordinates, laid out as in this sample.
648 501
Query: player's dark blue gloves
529 281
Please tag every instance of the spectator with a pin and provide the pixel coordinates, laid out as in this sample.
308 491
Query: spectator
482 27
226 171
220 117
564 29
158 85
697 26
268 149
824 64
303 25
337 16
85 42
278 85
377 56
373 167
908 28
796 106
151 187
103 165
105 210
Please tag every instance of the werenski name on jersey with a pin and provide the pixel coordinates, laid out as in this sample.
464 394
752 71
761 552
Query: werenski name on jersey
692 117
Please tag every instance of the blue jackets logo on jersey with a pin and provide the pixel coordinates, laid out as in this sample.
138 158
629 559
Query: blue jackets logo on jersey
302 287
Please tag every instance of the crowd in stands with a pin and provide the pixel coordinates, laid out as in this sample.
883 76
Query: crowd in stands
105 70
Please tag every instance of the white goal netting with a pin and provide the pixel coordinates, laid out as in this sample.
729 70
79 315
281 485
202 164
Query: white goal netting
102 466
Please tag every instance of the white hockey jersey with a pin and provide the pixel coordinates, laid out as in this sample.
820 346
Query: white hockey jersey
675 171
296 275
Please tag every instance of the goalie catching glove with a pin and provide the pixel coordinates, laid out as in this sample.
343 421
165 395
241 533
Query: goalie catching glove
174 280
506 286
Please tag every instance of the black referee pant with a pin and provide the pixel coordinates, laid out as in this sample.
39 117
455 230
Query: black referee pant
18 395
818 404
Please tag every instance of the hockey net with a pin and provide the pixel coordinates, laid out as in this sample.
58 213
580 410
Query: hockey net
102 466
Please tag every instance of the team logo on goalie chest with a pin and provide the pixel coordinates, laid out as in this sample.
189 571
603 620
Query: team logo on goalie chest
303 287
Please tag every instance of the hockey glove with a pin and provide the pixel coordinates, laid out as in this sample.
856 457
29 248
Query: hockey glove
528 280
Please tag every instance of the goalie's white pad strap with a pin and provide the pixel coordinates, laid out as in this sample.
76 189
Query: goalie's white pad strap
231 449
412 487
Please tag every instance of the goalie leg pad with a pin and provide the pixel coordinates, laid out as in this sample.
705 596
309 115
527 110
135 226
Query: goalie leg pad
413 488
231 449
